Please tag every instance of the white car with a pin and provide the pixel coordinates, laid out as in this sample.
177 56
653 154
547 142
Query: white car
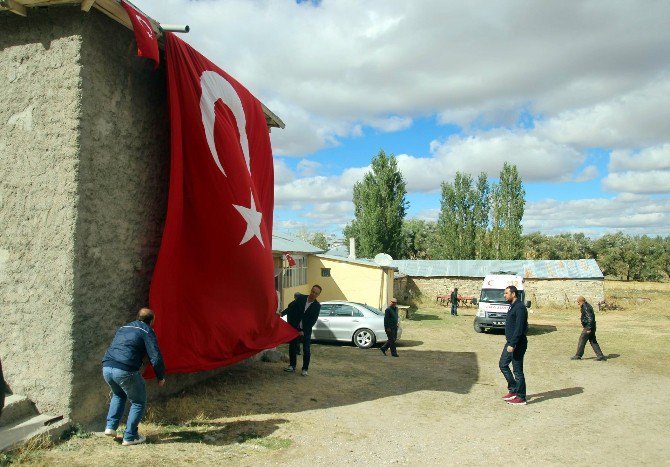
351 322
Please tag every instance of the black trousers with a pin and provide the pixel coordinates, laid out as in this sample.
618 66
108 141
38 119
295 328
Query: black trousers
516 380
590 337
392 334
306 353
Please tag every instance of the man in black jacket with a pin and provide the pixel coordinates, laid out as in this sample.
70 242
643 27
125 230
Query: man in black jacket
588 331
516 328
391 327
302 314
121 369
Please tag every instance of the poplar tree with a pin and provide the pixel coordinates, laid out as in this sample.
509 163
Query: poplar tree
507 207
379 208
464 216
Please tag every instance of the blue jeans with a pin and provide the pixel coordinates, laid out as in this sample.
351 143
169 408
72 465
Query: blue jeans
125 385
516 382
454 309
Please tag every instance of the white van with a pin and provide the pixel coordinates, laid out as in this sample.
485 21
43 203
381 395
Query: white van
492 308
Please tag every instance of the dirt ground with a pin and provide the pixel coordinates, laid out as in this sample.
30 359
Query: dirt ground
438 404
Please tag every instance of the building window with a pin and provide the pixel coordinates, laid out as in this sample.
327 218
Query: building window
296 275
325 272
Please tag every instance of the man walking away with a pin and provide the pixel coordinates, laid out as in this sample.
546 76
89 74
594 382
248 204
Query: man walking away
454 302
588 331
302 314
391 328
516 328
121 370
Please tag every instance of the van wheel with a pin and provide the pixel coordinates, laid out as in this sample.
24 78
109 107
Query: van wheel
478 328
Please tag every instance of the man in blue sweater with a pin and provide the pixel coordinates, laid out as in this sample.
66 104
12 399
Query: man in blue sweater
516 328
121 370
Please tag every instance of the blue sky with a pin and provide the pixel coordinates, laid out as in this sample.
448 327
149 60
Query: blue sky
576 97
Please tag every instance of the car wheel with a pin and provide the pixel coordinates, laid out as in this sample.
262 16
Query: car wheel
478 328
364 338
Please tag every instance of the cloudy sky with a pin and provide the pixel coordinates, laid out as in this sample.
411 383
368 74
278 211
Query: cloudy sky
576 94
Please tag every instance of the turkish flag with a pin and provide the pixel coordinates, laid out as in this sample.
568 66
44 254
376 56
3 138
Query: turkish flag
145 36
289 258
213 287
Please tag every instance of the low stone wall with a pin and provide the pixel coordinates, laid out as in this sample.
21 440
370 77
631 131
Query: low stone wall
541 292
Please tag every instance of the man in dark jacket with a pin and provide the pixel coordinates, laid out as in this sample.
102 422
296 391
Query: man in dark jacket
453 298
516 328
302 314
121 370
4 389
391 327
588 331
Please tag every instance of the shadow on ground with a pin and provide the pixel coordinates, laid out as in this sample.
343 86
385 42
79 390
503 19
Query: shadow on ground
539 329
424 317
555 394
215 433
338 376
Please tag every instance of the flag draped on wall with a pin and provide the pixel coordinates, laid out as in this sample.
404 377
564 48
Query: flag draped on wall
145 36
213 286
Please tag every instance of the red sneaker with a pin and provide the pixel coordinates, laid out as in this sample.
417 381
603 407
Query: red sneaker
509 396
517 401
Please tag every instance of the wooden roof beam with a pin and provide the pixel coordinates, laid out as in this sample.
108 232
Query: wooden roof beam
86 5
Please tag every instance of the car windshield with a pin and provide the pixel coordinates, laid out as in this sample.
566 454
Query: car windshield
372 309
496 296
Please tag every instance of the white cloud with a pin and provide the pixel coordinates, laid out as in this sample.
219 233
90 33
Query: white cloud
631 120
632 214
329 69
283 174
536 159
652 181
589 173
654 158
308 168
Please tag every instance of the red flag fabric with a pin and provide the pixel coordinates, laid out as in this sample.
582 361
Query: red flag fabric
213 287
289 258
147 43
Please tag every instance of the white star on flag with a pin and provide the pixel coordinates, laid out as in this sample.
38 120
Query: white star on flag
253 219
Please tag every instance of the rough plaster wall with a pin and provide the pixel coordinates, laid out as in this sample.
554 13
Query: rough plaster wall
541 292
39 118
123 184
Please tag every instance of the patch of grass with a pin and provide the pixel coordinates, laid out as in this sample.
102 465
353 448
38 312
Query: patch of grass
75 431
272 443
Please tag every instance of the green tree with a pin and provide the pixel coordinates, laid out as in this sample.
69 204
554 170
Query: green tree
419 238
319 240
379 209
507 207
463 219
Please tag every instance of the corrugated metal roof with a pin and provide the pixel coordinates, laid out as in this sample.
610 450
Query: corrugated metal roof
531 269
363 261
284 242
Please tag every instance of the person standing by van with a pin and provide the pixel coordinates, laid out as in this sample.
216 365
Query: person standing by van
516 328
588 331
454 302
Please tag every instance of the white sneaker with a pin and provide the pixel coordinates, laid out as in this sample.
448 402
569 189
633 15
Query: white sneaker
303 372
139 440
289 369
110 432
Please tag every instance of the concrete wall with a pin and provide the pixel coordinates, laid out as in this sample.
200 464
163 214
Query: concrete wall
122 195
84 170
351 281
541 292
40 109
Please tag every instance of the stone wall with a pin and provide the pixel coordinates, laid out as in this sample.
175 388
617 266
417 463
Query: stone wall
40 109
541 292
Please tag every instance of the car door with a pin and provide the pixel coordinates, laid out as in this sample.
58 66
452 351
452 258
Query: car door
321 329
343 323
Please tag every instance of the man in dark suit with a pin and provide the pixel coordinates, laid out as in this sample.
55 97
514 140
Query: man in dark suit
516 329
391 327
302 314
588 331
